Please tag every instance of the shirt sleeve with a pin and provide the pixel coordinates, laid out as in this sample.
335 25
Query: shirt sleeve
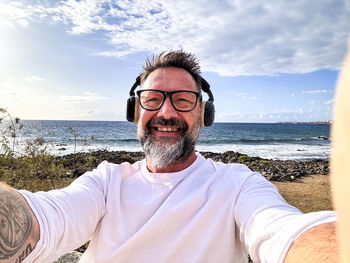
68 217
268 225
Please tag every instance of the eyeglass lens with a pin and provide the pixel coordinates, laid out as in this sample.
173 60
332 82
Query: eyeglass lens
182 100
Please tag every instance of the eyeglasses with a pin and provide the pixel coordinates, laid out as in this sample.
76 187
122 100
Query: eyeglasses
182 100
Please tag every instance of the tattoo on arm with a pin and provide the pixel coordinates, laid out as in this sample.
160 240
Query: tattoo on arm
15 226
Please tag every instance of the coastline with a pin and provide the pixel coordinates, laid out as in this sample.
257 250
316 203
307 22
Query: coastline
276 141
46 172
273 170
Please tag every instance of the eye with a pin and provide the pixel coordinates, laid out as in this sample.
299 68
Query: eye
183 100
154 99
151 99
184 97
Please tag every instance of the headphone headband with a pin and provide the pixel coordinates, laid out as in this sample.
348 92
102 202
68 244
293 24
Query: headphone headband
206 88
136 84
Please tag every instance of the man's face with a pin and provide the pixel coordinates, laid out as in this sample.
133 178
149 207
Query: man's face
168 135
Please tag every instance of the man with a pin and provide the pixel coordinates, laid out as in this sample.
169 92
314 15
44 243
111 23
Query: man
174 206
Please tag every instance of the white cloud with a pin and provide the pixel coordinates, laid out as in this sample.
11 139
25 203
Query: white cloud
94 114
116 54
331 101
86 113
229 37
243 96
23 22
11 91
223 115
86 98
317 91
13 13
33 78
277 115
312 102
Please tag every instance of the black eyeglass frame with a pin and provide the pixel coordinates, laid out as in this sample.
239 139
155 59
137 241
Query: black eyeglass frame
169 94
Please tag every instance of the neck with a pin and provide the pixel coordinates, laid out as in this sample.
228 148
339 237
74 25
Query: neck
174 167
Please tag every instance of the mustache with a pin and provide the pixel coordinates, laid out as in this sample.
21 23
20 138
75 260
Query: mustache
167 122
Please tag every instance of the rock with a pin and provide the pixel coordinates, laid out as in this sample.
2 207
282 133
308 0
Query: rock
275 170
72 257
78 172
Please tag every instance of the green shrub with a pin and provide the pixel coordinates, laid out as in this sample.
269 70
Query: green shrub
263 163
244 158
34 168
92 161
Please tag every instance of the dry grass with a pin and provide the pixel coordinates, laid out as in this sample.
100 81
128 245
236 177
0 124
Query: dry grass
309 194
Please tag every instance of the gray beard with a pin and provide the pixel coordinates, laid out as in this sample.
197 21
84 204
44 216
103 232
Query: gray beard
164 152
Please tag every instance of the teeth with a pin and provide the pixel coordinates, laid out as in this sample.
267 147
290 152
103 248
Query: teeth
168 129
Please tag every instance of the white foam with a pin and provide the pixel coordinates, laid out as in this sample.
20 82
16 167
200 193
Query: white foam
276 152
267 151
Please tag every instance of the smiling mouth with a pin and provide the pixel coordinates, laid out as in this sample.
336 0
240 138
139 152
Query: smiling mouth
167 129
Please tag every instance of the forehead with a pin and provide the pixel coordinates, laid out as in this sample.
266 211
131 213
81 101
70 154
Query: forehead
170 79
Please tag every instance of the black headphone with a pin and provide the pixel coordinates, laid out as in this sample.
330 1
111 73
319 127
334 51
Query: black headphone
207 110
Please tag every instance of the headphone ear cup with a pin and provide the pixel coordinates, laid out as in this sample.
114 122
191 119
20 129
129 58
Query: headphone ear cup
130 109
136 110
207 113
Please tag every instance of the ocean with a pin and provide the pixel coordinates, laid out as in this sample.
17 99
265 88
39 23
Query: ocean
278 141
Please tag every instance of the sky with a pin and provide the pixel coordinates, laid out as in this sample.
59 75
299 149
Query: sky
266 61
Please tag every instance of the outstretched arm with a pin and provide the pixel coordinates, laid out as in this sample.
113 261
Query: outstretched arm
318 244
19 228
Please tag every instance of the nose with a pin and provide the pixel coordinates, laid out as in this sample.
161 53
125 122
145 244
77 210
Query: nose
167 111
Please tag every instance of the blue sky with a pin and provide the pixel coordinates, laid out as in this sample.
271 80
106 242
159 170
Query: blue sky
266 61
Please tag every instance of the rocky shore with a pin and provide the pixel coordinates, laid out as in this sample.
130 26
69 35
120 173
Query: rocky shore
274 170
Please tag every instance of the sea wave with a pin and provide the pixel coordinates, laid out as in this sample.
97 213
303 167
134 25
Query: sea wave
273 151
262 140
273 141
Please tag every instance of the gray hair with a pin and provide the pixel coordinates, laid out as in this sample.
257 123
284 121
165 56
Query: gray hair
178 59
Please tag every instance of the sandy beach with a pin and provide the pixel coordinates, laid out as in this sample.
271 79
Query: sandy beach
309 194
